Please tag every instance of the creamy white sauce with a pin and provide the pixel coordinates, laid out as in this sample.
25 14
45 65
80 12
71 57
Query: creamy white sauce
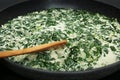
33 29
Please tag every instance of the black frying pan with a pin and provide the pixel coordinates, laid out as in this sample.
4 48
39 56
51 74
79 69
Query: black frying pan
37 5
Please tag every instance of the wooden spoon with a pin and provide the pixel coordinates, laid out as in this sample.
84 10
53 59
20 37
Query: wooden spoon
42 47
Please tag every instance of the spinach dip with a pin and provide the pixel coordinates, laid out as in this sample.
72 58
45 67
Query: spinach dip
93 39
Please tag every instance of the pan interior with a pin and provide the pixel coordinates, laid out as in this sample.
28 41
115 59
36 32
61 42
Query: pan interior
62 4
30 6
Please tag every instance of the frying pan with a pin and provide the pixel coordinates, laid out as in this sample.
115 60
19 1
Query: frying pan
37 5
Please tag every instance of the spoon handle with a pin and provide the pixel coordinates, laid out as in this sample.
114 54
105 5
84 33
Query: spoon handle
42 47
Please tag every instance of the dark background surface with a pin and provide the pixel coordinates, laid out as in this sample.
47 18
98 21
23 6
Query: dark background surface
6 74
